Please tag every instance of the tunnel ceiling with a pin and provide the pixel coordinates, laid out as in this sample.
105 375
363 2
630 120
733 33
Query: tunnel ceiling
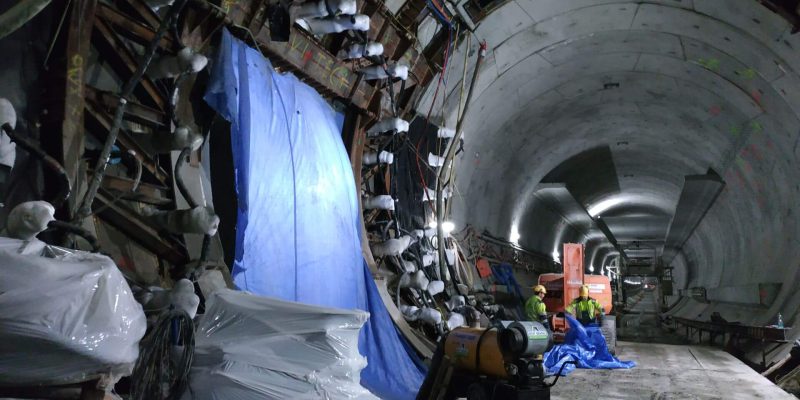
639 95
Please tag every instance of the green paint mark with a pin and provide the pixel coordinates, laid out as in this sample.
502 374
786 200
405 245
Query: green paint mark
711 64
741 162
747 73
736 130
756 127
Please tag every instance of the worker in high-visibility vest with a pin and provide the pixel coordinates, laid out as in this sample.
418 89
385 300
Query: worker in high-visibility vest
586 309
535 308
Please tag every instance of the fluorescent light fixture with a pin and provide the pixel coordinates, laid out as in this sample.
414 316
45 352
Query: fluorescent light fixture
604 205
447 226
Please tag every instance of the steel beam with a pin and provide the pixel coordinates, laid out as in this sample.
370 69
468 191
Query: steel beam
311 61
99 123
64 116
329 75
136 227
145 193
764 333
132 29
134 111
124 63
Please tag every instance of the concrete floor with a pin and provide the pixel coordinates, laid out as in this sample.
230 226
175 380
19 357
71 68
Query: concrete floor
640 322
670 372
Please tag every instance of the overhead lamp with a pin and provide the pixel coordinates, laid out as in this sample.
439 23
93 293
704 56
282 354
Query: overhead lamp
447 226
591 268
556 256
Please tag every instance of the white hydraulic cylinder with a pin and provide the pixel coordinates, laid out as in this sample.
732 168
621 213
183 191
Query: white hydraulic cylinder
384 157
430 316
446 133
450 256
391 247
374 72
455 321
186 61
456 302
428 259
359 50
8 149
430 194
387 125
435 287
409 266
418 281
183 297
198 220
435 161
411 313
181 138
28 219
382 202
321 8
358 22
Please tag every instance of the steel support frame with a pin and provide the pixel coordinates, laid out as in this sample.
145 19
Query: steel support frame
303 54
770 338
63 119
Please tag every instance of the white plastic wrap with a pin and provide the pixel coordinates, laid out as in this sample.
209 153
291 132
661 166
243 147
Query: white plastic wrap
253 347
65 316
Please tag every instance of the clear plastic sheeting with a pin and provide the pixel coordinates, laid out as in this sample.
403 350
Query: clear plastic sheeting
253 347
66 316
584 345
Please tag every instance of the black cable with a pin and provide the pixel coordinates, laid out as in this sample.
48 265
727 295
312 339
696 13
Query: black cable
137 180
77 230
50 162
204 251
478 349
174 97
179 179
157 368
560 370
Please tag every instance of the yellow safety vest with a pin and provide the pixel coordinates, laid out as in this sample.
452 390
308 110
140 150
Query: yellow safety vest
585 310
535 309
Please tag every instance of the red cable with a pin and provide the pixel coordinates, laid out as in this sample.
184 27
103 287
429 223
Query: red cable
428 118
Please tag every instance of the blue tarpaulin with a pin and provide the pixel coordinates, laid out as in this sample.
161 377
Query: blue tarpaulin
585 345
298 227
504 275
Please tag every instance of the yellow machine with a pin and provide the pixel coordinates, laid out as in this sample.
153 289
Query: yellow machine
461 346
502 362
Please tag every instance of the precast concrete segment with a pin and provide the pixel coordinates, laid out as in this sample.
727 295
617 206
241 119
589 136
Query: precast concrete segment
669 372
673 88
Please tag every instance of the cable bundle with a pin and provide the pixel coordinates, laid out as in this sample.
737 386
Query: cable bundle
162 370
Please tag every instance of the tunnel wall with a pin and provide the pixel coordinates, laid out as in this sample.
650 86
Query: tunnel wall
674 88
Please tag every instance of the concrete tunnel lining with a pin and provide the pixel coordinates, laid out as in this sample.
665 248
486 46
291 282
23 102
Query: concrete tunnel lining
709 84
